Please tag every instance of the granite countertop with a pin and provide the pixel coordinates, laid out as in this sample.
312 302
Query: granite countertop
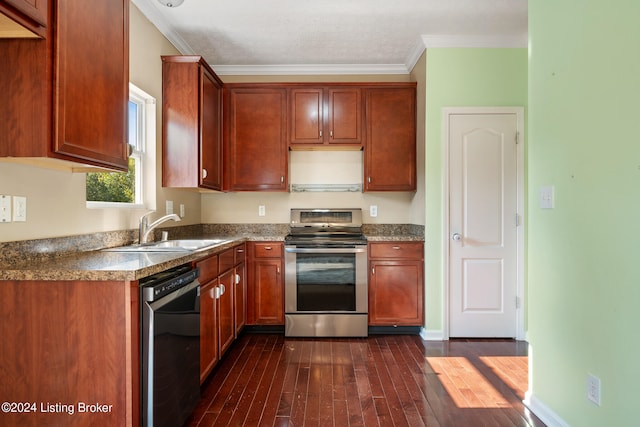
98 265
80 257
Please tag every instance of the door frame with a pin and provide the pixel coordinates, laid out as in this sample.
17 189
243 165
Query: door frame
520 233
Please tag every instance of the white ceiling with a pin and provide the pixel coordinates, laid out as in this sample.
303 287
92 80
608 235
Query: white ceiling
333 36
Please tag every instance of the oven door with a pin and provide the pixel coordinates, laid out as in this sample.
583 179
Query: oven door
325 280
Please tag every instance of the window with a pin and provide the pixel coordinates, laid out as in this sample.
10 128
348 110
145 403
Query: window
126 189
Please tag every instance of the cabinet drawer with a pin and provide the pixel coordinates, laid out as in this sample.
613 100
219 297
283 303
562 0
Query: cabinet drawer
208 269
407 250
268 250
240 253
226 260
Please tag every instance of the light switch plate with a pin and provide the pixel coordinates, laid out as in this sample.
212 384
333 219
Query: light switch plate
546 197
169 207
5 208
373 211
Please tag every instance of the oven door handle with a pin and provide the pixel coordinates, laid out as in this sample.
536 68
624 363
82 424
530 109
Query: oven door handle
296 250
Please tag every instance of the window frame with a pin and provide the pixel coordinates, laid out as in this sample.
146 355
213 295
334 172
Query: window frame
140 151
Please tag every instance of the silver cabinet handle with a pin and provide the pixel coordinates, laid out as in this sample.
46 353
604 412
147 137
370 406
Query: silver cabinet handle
222 289
373 271
321 132
204 173
237 279
456 237
395 248
331 133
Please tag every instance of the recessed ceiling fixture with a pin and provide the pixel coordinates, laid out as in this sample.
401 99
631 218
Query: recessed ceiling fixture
171 3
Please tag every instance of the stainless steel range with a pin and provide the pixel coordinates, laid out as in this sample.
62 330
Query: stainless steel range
326 274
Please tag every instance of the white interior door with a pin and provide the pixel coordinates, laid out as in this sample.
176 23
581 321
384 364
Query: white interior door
483 220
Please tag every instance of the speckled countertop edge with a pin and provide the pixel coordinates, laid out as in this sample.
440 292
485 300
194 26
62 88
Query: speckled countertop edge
80 257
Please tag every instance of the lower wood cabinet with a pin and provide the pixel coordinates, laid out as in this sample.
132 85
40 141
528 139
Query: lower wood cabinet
240 289
396 283
70 342
208 328
265 292
222 304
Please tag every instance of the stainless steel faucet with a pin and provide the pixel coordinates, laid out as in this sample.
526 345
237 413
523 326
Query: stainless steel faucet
146 228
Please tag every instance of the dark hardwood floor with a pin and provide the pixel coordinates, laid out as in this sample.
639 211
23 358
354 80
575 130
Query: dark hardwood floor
396 380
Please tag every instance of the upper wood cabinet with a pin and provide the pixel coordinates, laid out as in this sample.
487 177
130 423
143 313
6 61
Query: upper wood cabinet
191 124
390 147
65 97
23 18
256 155
325 117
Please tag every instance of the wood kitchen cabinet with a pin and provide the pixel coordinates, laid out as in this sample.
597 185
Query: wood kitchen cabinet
396 283
329 117
65 97
27 18
240 289
390 146
256 155
226 327
209 354
265 292
191 124
69 342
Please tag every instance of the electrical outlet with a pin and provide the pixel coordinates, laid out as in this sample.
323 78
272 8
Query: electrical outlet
19 209
593 389
181 210
262 211
169 207
373 211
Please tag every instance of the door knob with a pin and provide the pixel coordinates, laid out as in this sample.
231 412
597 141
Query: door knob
456 237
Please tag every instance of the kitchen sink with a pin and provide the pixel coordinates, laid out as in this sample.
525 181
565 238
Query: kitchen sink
178 245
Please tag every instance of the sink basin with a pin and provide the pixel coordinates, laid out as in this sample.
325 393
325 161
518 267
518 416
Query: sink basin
179 245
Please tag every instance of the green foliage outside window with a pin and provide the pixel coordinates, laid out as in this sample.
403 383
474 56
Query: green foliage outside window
112 186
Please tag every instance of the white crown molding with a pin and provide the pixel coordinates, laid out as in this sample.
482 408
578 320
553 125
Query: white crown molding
150 10
309 69
477 41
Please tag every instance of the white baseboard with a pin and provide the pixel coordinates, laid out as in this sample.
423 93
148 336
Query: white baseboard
432 335
542 411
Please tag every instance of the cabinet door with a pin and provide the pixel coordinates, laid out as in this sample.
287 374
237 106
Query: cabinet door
396 293
211 138
92 70
390 147
208 329
257 155
344 119
306 116
239 299
191 123
226 329
268 292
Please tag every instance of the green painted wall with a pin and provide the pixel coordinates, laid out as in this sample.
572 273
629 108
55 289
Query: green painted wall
458 77
584 290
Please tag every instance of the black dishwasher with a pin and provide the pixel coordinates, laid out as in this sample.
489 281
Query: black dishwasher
170 362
